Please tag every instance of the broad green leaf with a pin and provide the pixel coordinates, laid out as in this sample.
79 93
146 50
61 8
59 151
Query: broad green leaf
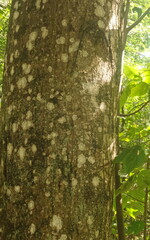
131 158
131 211
139 90
144 178
124 96
135 227
130 72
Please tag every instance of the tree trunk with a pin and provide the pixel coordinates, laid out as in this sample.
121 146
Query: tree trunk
59 110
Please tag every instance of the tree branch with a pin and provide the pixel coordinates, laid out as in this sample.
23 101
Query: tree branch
129 114
138 20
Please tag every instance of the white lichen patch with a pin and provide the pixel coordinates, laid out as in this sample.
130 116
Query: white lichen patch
32 228
56 223
22 83
11 57
47 194
38 4
61 40
102 106
14 127
91 159
74 117
16 15
30 42
101 24
64 57
26 124
74 46
17 28
21 153
26 68
99 11
9 149
84 53
16 54
81 160
95 181
16 5
81 146
64 23
44 31
50 69
50 106
9 109
31 205
29 115
17 188
62 120
74 182
15 42
12 71
30 78
90 220
34 148
63 237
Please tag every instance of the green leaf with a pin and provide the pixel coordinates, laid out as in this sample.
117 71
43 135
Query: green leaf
139 90
135 227
131 158
144 178
130 72
125 186
124 96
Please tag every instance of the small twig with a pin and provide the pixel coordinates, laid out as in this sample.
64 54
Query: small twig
138 20
129 114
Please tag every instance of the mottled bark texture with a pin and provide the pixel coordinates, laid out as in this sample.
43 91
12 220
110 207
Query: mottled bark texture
59 109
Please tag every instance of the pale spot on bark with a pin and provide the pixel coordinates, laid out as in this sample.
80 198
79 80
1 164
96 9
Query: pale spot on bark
31 205
74 46
50 69
74 182
29 115
81 146
16 15
63 237
9 149
61 40
30 78
34 148
38 4
11 57
50 106
90 220
101 24
64 57
91 159
17 28
16 55
16 5
8 192
100 129
84 53
68 98
102 106
45 1
57 222
21 153
95 181
12 71
12 87
81 160
28 98
62 120
26 124
74 117
22 83
47 194
32 228
26 68
99 11
33 36
15 42
14 127
44 31
17 188
64 23
97 233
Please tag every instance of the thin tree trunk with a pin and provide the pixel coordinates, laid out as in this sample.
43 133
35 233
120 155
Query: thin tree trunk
59 111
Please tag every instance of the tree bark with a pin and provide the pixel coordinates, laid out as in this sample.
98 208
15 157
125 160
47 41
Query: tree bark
59 111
